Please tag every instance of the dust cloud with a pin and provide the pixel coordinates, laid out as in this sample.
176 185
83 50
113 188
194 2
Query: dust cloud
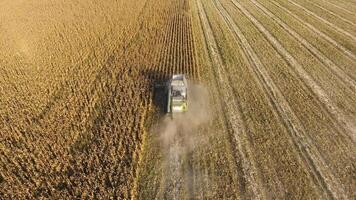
180 134
186 125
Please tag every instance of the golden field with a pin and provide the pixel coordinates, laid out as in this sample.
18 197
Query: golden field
273 111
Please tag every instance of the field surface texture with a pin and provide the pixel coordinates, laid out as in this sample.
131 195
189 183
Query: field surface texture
271 99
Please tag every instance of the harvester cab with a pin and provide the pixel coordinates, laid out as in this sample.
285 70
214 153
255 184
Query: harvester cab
177 94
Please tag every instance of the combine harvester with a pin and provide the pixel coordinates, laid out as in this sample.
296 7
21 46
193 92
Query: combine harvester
177 101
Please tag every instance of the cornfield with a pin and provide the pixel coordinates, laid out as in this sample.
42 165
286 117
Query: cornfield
82 110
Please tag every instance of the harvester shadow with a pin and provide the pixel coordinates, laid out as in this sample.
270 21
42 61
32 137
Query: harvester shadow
158 85
160 98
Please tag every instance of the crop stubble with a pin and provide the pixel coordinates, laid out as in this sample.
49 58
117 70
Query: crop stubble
281 79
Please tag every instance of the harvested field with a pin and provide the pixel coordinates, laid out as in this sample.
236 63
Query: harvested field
272 99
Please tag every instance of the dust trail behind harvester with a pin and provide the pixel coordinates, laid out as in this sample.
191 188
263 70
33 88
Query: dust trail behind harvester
179 138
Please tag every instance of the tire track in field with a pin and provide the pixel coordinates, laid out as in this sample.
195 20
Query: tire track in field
189 66
323 20
202 179
157 74
207 180
343 77
233 113
339 7
164 66
341 118
332 13
177 174
211 179
308 152
311 27
347 5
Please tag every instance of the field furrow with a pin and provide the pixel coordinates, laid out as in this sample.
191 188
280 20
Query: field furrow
339 8
310 111
333 13
248 166
341 38
350 82
341 117
344 29
309 153
220 153
278 10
